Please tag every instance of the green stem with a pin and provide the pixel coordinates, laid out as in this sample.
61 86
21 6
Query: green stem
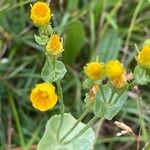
62 109
88 125
92 29
111 14
100 122
18 125
132 23
76 123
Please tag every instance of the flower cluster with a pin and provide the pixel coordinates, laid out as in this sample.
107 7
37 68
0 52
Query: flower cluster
113 69
113 72
43 96
107 83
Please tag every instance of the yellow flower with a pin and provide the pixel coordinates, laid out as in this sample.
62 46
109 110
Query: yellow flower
115 71
143 57
94 70
55 45
43 96
40 13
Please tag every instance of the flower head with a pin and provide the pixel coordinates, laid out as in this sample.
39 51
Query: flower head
55 45
40 13
43 96
115 71
94 70
143 57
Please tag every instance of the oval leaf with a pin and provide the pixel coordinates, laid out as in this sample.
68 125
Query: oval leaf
49 141
109 46
74 41
50 74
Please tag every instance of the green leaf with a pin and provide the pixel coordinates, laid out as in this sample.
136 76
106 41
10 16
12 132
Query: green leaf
108 109
98 7
49 141
109 46
111 21
74 41
141 75
72 5
52 74
41 40
113 2
88 83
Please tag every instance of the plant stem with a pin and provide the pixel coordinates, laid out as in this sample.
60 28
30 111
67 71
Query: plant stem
111 14
100 122
92 29
76 123
132 23
62 109
88 125
18 125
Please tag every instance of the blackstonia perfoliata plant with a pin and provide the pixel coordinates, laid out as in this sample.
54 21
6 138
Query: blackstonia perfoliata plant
105 99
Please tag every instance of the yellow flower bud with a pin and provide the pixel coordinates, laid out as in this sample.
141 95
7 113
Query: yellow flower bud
143 57
40 14
43 96
55 45
94 70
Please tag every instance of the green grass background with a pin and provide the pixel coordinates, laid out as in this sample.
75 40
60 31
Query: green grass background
89 28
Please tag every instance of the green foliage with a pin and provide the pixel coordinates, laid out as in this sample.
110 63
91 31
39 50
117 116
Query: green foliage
142 75
75 36
109 46
41 40
98 6
72 5
106 107
25 61
53 71
45 30
49 141
87 83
